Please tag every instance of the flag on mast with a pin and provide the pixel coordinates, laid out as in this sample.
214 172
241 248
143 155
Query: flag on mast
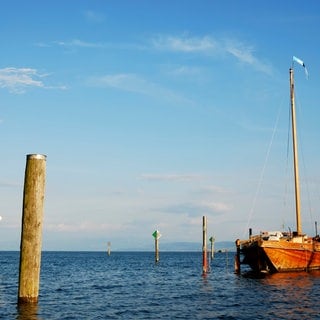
299 61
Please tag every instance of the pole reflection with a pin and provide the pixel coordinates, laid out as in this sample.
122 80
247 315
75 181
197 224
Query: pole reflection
27 311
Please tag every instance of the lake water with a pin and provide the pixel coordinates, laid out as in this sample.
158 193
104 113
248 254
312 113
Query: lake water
129 285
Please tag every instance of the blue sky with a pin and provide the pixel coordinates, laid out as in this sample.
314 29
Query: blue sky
155 113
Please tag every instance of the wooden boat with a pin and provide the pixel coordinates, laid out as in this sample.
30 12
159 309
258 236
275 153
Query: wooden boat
282 251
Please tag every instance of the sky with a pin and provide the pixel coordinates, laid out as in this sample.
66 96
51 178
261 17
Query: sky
153 114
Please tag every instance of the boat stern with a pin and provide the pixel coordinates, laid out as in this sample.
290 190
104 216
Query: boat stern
251 252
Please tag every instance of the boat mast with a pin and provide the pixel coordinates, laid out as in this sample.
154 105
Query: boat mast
295 154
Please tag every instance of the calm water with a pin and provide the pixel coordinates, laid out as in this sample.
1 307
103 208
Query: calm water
129 285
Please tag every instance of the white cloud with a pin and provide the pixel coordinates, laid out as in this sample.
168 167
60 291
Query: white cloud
217 206
137 84
184 44
127 82
213 189
212 47
85 226
17 80
206 45
186 72
201 208
171 177
244 54
79 43
74 44
8 184
93 16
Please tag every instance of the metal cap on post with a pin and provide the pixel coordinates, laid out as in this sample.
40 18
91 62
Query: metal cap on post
36 156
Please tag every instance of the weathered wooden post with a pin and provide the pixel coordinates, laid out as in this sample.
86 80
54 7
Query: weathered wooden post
109 248
204 245
212 239
237 262
31 229
156 236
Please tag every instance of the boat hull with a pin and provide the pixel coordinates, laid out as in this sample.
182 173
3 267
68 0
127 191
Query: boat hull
281 256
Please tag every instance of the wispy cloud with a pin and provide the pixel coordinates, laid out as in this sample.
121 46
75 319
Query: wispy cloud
185 44
136 84
192 209
17 80
212 47
186 71
206 45
85 226
79 43
6 184
213 189
127 82
171 177
74 44
94 17
245 54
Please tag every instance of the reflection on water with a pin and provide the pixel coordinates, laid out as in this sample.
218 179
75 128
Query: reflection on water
290 280
293 292
288 295
27 311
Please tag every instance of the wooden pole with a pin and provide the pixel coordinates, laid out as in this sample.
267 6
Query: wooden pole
295 154
204 245
31 230
237 258
109 248
156 244
212 239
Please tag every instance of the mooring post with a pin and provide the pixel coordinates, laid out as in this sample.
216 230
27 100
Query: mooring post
204 245
156 244
156 236
109 248
212 239
31 229
237 258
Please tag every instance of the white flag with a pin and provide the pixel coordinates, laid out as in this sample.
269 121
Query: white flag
301 63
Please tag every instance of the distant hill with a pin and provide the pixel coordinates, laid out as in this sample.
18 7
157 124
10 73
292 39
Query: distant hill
186 246
195 246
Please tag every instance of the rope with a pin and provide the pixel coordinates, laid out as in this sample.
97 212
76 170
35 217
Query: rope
306 181
286 193
262 173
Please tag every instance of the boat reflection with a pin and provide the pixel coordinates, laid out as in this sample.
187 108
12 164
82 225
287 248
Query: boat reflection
292 292
300 279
